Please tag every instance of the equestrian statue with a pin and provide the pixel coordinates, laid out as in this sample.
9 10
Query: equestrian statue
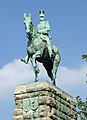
40 48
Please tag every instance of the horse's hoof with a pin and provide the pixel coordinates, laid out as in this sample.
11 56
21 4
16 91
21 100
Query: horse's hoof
36 80
53 82
23 60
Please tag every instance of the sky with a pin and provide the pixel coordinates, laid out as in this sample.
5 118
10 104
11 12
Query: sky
68 19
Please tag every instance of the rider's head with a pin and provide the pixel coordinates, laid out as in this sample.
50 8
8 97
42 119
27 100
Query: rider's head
41 15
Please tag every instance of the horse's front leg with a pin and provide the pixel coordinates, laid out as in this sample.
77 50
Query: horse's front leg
26 58
34 64
35 69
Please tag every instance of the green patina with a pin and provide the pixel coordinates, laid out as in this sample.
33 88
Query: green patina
40 48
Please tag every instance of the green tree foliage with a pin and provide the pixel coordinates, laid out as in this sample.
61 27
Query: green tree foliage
84 56
82 108
82 105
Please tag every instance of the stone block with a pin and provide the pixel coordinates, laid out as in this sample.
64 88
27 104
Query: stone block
43 101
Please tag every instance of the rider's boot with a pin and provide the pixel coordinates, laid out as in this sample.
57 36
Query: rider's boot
50 51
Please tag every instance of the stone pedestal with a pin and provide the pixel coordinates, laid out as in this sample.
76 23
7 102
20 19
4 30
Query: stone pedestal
43 101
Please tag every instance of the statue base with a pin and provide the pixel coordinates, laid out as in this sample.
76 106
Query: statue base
43 101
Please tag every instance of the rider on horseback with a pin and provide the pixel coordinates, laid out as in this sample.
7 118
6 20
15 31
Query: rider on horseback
39 46
42 30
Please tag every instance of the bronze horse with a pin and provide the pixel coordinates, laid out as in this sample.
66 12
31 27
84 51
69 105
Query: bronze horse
37 51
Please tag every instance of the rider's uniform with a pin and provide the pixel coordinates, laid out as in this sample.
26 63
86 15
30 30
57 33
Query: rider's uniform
42 30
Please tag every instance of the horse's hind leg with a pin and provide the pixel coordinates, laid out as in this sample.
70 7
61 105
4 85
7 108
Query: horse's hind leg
54 71
55 66
53 76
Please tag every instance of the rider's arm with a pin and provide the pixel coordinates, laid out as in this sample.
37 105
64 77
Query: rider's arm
47 27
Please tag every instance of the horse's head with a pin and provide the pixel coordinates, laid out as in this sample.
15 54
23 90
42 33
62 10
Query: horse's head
28 23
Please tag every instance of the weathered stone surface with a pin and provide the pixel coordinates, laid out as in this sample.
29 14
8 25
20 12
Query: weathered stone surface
18 112
20 117
19 104
20 89
43 101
